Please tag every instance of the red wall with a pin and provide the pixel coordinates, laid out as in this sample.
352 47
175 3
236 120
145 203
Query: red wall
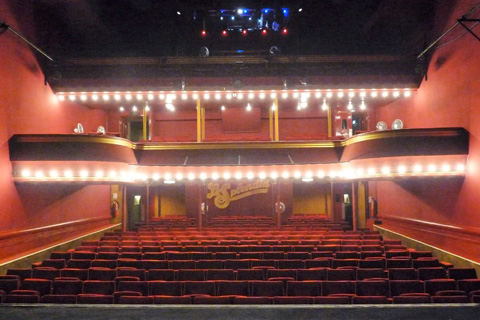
431 209
27 106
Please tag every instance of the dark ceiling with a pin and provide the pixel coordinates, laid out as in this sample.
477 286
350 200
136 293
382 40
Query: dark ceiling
152 28
143 44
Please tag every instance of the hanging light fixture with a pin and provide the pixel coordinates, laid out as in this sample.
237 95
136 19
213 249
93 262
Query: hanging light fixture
363 106
324 104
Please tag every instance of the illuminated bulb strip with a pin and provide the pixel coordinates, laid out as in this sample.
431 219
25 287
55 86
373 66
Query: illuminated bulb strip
346 172
260 94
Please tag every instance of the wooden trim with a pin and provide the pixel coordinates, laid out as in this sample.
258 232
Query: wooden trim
23 232
423 225
21 242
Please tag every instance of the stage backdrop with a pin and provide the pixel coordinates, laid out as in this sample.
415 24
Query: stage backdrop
234 198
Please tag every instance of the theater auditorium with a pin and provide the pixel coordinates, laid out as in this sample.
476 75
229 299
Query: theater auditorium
239 159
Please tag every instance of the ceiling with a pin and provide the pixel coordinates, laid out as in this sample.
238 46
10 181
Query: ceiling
151 28
121 43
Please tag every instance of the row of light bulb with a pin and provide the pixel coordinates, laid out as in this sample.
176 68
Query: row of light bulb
351 173
302 104
206 95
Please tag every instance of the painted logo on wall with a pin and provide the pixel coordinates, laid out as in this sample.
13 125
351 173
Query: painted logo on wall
225 193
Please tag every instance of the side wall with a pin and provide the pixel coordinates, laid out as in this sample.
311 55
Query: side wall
30 213
441 212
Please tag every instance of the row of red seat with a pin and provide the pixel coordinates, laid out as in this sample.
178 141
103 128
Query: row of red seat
354 250
211 271
83 261
273 288
222 300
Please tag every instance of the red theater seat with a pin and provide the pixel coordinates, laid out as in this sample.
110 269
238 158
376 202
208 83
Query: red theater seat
402 274
267 288
337 263
220 274
401 262
105 274
135 300
370 273
341 274
311 274
250 274
154 256
94 299
412 299
372 288
237 264
100 263
79 263
23 273
469 285
136 286
426 262
54 263
252 300
293 300
190 274
171 300
432 273
161 274
318 263
304 288
372 262
232 288
99 287
332 300
59 299
414 254
281 273
370 300
291 264
45 273
450 299
201 255
209 264
9 283
400 287
42 286
199 287
210 300
139 273
155 264
434 285
338 287
462 273
250 255
67 286
165 288
22 298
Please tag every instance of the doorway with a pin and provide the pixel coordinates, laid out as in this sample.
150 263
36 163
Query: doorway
135 129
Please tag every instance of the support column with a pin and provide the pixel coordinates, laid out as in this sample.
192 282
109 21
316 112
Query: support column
276 119
147 209
329 120
199 121
202 114
354 208
277 206
199 207
270 122
145 124
124 208
331 213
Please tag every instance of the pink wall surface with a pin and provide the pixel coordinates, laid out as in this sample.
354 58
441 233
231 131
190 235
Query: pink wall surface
442 212
28 106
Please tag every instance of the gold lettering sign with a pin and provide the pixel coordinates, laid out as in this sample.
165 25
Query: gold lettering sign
223 194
